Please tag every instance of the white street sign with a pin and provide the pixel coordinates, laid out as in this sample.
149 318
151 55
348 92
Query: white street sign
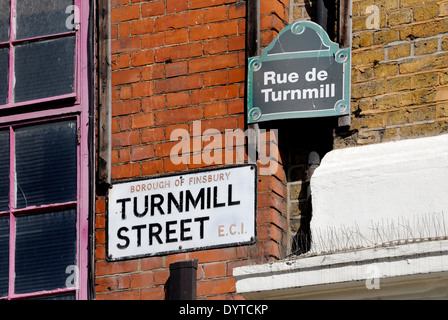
178 213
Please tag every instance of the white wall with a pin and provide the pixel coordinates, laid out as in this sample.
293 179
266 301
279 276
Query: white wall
377 194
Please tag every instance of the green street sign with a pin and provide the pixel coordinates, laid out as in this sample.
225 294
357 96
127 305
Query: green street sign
301 74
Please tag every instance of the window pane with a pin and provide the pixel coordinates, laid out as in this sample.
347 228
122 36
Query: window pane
5 12
46 164
43 17
4 170
4 255
66 296
45 247
44 69
4 75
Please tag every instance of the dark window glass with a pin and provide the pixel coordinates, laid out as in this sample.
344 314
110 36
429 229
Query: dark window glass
4 170
46 165
4 255
4 75
5 13
66 296
44 69
45 247
49 17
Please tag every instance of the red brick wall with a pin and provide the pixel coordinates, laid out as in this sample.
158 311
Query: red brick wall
176 62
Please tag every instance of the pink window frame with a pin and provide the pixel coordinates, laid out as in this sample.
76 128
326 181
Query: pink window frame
79 110
13 42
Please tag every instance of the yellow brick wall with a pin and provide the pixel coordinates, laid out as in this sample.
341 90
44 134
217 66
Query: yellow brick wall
399 69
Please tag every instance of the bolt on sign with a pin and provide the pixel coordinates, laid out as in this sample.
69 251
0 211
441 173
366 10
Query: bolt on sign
301 74
178 213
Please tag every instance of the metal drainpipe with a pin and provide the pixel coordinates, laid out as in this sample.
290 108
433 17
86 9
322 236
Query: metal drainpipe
252 49
325 16
104 94
183 280
91 139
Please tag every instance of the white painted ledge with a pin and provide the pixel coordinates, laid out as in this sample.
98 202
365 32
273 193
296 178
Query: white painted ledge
418 270
379 212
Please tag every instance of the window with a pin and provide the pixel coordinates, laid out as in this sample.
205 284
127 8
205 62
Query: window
38 206
38 51
44 153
